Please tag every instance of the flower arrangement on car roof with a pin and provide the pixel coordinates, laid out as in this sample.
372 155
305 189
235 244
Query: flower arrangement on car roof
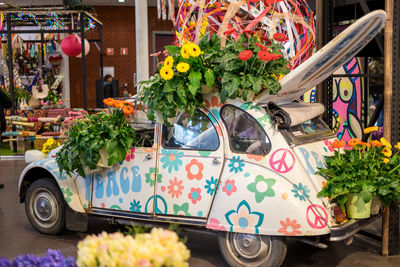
243 68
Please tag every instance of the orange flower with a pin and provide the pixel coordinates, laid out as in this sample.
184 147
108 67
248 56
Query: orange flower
353 142
118 104
128 110
375 143
127 103
108 101
194 170
289 227
364 144
338 144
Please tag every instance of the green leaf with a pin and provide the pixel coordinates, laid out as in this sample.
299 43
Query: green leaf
233 87
209 77
194 78
173 49
182 94
167 88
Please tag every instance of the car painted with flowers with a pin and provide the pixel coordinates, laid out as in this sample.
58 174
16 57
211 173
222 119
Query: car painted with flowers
244 170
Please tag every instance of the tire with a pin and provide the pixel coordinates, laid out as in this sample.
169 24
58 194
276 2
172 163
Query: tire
45 206
239 249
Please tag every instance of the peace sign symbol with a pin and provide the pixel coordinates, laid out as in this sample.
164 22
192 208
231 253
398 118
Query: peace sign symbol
314 219
282 160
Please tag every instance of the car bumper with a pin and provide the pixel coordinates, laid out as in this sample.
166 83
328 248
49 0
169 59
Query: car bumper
346 230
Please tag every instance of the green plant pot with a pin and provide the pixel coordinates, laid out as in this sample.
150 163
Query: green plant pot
356 207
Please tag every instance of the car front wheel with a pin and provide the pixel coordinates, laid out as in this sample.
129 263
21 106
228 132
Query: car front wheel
240 249
45 206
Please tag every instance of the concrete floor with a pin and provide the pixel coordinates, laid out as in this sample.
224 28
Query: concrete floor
17 236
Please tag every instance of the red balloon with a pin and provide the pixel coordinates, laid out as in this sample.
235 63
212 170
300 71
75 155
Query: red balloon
71 46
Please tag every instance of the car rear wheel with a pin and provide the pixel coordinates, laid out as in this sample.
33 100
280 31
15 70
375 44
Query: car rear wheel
45 206
240 249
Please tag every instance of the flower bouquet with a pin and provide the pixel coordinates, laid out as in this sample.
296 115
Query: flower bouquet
49 146
101 139
365 169
155 249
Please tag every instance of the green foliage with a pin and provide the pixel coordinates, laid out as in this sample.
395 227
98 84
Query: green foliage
21 93
361 170
88 136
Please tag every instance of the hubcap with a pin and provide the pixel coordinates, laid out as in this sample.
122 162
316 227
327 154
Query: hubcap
44 207
248 247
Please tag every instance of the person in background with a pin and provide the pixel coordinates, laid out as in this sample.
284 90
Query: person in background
5 103
124 89
108 91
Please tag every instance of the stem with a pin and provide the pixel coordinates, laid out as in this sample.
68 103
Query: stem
394 168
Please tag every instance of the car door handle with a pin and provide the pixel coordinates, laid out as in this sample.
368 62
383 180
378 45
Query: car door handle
216 161
149 156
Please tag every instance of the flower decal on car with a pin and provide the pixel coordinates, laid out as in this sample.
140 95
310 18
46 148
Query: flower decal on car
289 227
301 191
229 187
215 224
175 187
67 194
181 210
195 195
171 159
135 206
151 176
243 219
262 187
194 170
236 164
130 155
211 185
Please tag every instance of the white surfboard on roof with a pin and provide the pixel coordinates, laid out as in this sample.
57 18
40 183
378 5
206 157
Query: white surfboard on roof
329 58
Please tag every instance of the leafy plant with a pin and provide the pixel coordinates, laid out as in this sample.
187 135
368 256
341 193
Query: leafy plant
21 93
368 169
88 136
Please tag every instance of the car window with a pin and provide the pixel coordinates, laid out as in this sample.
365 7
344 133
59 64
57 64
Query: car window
196 132
245 134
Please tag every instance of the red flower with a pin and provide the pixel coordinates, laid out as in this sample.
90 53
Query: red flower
268 41
275 56
245 55
264 55
280 37
261 46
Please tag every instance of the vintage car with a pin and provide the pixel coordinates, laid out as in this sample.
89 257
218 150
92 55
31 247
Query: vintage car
244 170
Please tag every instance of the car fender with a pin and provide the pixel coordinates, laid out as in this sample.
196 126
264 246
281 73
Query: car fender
257 200
76 199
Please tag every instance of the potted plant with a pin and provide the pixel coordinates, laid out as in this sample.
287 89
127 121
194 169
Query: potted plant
357 174
251 64
103 138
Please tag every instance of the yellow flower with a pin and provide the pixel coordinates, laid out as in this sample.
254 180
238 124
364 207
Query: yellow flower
166 73
185 51
385 142
50 141
182 67
385 160
387 152
195 50
397 146
370 129
169 61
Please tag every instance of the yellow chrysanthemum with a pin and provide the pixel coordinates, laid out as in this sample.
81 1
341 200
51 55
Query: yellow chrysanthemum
397 146
385 160
370 129
169 61
387 152
385 142
194 50
185 51
166 73
183 67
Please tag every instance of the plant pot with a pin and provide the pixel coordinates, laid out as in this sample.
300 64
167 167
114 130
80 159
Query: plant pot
103 162
205 89
89 171
356 207
375 206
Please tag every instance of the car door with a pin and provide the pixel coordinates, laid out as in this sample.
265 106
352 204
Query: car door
129 186
190 162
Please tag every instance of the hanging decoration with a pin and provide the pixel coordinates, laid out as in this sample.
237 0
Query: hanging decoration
71 46
294 19
87 47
